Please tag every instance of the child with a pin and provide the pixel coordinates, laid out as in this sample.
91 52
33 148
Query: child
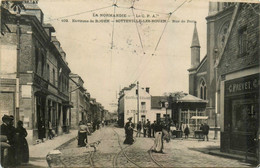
186 131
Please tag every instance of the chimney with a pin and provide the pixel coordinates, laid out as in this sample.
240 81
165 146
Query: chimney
147 89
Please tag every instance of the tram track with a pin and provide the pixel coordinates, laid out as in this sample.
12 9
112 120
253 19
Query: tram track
122 151
152 158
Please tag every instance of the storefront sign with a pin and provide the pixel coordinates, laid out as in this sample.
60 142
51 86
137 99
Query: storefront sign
242 85
135 97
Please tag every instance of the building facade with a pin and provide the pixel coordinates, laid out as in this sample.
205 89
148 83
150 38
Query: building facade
236 56
228 75
34 68
129 103
80 99
159 109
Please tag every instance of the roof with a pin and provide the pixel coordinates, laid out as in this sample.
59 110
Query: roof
195 38
190 98
156 101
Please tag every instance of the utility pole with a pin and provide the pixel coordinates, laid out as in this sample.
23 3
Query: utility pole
137 101
17 105
216 104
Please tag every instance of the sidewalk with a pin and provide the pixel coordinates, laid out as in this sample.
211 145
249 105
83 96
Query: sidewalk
38 152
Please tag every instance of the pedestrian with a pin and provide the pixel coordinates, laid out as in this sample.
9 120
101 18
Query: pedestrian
166 135
205 131
129 130
148 129
82 134
186 131
50 133
144 128
139 128
152 128
158 142
41 129
201 135
22 151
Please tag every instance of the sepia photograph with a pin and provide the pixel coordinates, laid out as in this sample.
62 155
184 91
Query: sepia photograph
130 83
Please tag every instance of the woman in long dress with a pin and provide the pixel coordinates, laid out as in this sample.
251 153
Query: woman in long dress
129 130
22 151
158 142
82 134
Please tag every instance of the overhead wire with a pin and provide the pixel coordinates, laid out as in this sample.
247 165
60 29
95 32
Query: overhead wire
140 39
132 8
161 35
170 14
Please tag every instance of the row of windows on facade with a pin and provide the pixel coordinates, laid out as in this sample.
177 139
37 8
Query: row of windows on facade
63 82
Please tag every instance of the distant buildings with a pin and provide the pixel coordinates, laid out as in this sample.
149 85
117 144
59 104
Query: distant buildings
177 108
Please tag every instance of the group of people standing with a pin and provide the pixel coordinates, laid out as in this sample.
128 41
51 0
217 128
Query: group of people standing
148 129
155 130
158 130
17 149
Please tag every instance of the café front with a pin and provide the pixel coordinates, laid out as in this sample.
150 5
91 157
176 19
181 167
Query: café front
240 102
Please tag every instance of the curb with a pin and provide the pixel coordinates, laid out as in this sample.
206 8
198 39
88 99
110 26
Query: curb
240 158
65 143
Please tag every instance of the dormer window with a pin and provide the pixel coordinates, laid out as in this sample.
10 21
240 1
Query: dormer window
162 104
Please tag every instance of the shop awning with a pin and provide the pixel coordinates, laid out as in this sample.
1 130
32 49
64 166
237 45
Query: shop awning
200 117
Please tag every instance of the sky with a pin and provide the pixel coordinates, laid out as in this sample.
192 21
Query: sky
111 55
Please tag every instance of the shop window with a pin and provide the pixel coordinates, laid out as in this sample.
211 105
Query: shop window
244 116
242 41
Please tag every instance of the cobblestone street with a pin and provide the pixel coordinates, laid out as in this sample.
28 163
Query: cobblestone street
177 153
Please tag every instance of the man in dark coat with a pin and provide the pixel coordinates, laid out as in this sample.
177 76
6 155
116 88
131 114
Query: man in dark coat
148 128
129 130
152 128
144 128
139 127
205 131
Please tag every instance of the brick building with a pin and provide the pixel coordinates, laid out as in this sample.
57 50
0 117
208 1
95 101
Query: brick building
230 74
43 95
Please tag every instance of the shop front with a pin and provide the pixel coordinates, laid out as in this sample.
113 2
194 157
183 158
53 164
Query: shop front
241 115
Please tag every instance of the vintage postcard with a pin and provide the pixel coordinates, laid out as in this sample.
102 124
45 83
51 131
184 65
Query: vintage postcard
130 83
